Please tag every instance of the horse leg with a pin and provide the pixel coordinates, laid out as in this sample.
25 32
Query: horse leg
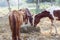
18 36
51 27
55 28
18 31
52 24
13 36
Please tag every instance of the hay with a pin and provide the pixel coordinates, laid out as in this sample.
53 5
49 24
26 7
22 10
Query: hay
29 29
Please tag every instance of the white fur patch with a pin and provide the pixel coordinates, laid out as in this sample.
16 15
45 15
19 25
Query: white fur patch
33 18
51 9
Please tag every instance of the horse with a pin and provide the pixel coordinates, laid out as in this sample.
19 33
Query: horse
28 16
15 22
53 13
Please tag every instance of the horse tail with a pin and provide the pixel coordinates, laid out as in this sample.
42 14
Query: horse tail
14 27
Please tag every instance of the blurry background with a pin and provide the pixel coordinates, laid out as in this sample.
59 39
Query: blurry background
35 6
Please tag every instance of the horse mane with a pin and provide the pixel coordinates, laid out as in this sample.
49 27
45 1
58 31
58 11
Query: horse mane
45 11
28 10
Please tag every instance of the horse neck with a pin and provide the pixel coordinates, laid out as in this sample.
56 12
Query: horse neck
42 15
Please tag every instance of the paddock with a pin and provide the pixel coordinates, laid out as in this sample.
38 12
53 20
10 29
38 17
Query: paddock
32 35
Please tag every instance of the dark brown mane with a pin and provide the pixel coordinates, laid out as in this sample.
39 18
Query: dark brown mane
42 14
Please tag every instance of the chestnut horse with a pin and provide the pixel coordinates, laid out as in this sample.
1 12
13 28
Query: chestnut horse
15 21
52 14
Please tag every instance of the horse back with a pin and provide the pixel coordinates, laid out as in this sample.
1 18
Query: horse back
17 17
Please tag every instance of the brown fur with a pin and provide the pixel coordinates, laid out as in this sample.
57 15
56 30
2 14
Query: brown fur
15 20
57 14
41 15
45 13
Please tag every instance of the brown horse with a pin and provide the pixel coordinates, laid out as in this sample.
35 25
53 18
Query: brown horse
15 21
28 16
52 17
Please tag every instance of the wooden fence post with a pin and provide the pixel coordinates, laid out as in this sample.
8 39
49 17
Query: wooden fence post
18 4
8 5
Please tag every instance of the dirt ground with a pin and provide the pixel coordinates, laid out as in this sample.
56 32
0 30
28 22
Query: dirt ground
45 24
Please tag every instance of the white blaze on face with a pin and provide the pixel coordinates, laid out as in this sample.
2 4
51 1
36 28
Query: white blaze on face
51 9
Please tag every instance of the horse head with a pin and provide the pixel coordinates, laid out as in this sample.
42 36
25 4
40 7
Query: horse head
39 16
